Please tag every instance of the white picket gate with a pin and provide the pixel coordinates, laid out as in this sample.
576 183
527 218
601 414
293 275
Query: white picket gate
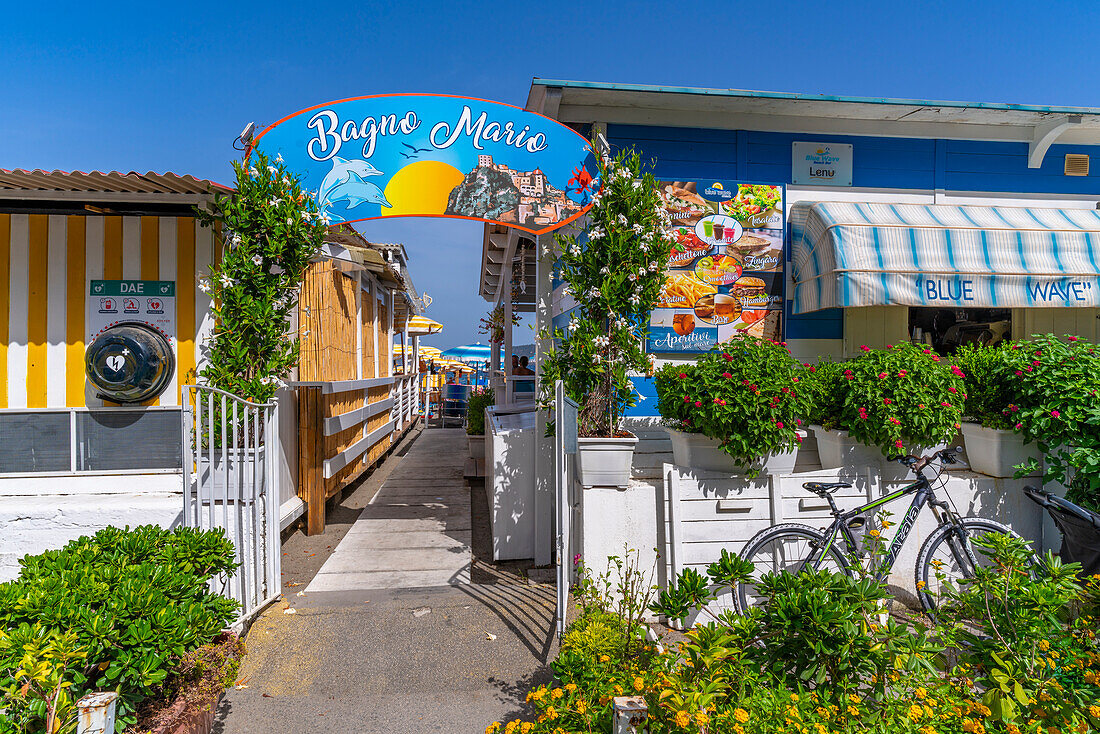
231 481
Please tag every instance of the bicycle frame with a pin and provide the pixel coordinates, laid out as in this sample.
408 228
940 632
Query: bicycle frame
924 495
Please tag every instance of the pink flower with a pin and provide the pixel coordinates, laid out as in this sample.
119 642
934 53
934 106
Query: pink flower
813 369
698 404
727 375
927 351
882 375
794 379
887 401
798 438
1013 408
1072 338
920 405
1019 426
798 421
779 424
865 348
951 389
903 373
863 414
1035 362
1054 413
1019 374
946 405
728 357
687 399
895 421
683 375
899 444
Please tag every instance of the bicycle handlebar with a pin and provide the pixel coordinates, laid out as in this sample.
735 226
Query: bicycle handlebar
918 463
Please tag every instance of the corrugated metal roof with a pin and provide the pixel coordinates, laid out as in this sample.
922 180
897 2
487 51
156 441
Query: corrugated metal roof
111 181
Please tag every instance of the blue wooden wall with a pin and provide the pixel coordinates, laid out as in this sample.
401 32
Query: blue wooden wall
694 154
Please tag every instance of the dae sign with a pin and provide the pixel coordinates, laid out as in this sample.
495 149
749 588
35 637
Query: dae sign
417 155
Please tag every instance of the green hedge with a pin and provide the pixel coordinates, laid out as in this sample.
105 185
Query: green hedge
110 612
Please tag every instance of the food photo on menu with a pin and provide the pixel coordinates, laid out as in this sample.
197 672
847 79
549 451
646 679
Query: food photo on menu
725 272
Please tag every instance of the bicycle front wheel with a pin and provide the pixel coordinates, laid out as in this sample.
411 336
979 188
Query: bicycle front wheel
948 556
790 547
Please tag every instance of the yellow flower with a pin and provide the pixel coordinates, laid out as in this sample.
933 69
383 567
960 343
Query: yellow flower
738 729
921 693
639 684
873 533
822 712
618 690
928 710
604 658
1044 645
915 712
921 586
682 719
1095 711
570 687
821 729
510 727
556 694
581 706
701 718
551 713
538 694
1012 728
927 730
526 727
794 697
853 711
493 728
741 715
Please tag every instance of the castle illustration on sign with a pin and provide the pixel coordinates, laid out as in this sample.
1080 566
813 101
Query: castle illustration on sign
495 191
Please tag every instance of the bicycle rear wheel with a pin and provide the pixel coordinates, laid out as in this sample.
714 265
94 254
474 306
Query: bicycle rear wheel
948 557
787 547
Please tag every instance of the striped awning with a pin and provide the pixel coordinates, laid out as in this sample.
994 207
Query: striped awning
862 254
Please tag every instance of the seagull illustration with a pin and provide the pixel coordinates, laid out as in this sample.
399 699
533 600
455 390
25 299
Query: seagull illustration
404 154
417 150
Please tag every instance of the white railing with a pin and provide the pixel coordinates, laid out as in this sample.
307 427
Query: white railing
406 398
231 482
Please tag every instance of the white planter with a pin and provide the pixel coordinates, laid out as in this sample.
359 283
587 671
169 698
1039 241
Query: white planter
837 449
995 452
237 474
605 462
701 452
477 446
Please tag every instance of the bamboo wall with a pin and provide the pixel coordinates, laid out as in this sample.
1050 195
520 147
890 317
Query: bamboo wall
340 323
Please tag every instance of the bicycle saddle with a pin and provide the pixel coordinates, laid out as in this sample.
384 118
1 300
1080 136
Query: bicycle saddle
825 487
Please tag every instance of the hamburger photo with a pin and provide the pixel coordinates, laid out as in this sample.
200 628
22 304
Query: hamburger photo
750 292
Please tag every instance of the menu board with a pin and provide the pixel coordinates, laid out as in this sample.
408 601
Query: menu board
726 272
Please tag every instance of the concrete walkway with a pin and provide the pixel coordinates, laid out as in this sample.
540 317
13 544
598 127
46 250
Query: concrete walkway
390 636
416 531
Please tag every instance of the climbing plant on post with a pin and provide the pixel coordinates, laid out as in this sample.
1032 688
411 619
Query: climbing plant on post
269 230
615 271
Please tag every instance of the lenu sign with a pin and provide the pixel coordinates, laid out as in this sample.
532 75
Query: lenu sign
821 164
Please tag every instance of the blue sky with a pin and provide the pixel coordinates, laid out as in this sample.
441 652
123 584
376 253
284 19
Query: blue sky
167 86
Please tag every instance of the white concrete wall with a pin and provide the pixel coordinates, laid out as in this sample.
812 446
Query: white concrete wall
636 517
44 513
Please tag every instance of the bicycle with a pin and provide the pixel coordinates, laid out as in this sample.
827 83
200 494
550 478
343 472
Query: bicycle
945 557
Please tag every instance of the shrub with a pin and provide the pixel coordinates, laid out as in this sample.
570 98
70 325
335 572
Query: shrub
128 601
986 384
823 384
1057 385
615 271
475 410
903 396
745 393
270 228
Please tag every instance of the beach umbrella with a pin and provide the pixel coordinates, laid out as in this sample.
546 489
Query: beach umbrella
422 325
476 352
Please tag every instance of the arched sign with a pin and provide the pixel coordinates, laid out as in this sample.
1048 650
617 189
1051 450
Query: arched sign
439 156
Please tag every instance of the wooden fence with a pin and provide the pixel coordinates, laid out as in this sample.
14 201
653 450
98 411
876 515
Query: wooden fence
351 408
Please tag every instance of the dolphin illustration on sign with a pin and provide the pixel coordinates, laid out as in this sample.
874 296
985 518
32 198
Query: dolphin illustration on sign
347 182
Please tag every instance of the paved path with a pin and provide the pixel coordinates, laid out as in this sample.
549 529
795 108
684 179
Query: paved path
390 637
416 531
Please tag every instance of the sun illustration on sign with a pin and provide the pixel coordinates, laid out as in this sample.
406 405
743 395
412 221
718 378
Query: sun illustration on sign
421 188
717 185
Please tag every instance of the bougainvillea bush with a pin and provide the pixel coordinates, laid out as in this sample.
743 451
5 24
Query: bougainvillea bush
615 270
745 393
900 398
821 657
1056 384
270 229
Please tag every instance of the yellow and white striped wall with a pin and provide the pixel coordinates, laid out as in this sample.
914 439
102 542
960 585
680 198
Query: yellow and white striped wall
46 264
